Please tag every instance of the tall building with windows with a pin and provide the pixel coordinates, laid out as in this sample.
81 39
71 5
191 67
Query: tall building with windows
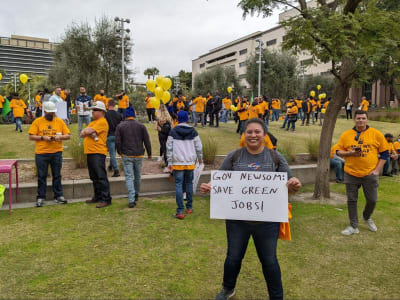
22 54
236 53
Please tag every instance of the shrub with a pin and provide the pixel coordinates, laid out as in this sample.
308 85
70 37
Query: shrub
77 154
313 147
210 148
288 151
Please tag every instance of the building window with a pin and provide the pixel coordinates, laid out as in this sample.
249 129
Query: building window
220 57
307 62
242 64
202 65
271 42
284 38
242 76
243 51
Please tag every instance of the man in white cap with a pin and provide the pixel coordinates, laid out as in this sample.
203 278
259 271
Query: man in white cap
95 148
49 131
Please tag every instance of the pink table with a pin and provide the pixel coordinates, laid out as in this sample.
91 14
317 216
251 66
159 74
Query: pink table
6 167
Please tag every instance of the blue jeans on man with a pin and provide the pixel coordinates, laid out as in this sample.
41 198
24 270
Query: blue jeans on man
338 166
265 236
285 121
111 150
132 170
224 115
18 124
275 115
42 165
183 176
82 119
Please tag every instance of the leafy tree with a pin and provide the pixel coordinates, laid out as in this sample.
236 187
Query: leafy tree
151 72
217 79
351 35
278 73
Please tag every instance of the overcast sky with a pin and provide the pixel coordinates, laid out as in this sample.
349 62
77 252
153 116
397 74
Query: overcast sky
167 34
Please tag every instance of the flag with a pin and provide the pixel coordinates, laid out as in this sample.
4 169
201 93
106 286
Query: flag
6 107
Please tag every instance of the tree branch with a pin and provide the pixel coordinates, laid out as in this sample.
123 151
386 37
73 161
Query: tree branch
351 6
334 72
303 4
322 2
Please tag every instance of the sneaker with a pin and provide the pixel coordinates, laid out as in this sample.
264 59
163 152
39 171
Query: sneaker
136 198
371 225
103 204
189 211
225 294
350 230
387 174
60 200
109 168
39 202
179 216
165 170
339 181
132 204
116 174
93 200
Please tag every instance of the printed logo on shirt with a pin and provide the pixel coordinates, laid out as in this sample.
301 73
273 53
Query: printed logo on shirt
254 166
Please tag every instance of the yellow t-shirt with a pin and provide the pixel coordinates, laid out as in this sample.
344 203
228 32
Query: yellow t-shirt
42 127
227 103
263 107
91 146
148 103
63 95
18 106
101 98
124 102
371 141
243 115
298 102
334 149
292 110
276 104
396 146
1 101
38 103
313 105
180 105
326 104
199 103
254 111
183 167
364 105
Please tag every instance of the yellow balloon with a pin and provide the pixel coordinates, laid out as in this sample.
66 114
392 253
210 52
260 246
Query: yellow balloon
165 97
159 81
153 101
23 78
318 87
229 89
157 104
1 76
323 110
312 93
320 96
159 92
323 95
151 85
166 84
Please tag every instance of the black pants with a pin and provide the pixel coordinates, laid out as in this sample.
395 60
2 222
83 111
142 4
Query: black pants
98 175
349 114
151 114
207 113
42 165
306 116
215 113
163 146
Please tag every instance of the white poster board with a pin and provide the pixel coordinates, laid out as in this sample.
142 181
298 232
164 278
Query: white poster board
249 196
61 110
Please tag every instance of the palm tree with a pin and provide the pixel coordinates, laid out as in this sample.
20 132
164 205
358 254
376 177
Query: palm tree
151 72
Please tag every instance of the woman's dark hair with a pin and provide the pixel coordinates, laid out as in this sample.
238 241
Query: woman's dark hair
256 121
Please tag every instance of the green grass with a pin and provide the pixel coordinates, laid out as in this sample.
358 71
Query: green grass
78 251
16 145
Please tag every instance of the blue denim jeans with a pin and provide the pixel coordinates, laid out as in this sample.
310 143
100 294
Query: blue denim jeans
265 236
180 177
339 167
42 165
300 115
111 150
81 120
18 123
132 169
275 115
285 121
224 116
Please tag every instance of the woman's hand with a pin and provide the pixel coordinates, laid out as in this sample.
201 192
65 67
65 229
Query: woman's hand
293 185
205 188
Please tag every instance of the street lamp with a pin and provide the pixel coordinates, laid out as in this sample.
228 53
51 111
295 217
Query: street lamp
260 44
122 31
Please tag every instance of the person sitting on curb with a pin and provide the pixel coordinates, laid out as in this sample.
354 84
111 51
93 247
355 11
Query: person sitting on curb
183 148
130 136
95 148
48 132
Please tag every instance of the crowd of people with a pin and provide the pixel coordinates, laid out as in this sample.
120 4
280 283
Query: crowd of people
111 127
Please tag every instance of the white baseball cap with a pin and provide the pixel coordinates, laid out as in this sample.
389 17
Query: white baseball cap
99 105
49 107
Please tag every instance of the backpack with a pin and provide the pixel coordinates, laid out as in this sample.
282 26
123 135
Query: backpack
166 128
274 155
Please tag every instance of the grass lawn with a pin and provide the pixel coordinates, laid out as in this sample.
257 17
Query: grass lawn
78 251
16 145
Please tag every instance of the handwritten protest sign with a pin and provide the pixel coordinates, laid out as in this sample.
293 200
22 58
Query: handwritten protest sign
250 196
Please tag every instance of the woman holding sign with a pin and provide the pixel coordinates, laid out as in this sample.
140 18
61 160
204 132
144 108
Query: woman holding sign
254 157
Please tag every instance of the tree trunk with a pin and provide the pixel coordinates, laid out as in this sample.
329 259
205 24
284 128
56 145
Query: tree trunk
339 97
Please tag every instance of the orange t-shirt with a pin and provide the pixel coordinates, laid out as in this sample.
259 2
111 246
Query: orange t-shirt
124 102
364 105
43 127
101 98
254 111
38 103
91 146
1 101
243 115
148 103
299 102
227 103
18 106
199 103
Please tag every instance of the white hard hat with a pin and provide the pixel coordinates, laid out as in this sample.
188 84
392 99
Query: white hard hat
99 105
49 107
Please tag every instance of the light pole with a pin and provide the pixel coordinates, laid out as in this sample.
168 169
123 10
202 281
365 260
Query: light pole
260 43
122 31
